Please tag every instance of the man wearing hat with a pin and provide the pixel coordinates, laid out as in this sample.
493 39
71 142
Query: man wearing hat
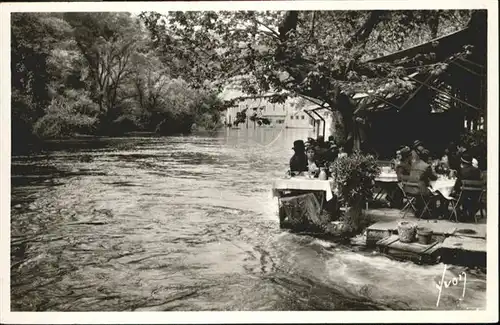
298 162
470 173
467 171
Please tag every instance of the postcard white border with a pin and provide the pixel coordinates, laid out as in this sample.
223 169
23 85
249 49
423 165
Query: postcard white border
489 315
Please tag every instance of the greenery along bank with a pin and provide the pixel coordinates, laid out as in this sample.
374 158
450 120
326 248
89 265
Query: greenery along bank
98 73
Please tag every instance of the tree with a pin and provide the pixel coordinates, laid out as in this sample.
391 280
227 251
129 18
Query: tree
107 41
323 55
97 73
34 36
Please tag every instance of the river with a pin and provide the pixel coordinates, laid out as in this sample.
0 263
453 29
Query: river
189 223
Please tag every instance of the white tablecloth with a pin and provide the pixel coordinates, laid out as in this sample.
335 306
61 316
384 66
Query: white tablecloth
443 185
387 177
304 184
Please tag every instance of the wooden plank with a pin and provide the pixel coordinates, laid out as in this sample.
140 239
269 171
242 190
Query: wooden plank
431 250
411 247
387 240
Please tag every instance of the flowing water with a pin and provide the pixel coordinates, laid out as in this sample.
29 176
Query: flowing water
189 223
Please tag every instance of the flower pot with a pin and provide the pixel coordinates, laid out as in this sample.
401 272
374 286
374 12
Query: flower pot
424 236
406 231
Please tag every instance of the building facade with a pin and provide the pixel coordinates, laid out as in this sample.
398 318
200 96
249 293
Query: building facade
286 114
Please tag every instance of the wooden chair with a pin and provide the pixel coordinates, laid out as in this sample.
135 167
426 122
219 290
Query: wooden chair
408 190
471 196
412 192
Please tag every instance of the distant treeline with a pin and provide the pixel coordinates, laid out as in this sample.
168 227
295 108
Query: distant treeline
97 74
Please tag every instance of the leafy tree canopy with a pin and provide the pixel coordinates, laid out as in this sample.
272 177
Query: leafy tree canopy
308 53
323 55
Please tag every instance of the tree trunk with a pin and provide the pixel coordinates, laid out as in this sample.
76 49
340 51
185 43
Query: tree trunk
354 214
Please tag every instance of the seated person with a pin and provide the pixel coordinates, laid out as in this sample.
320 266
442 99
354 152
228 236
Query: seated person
298 162
451 157
312 163
321 149
467 172
396 160
417 146
310 142
422 173
445 159
320 141
404 165
332 152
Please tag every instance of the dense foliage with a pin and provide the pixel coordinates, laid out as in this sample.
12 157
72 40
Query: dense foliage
98 73
355 178
322 54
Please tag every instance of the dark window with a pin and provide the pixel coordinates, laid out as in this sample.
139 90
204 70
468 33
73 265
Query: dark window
302 116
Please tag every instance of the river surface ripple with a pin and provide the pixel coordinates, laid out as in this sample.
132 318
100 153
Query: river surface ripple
189 223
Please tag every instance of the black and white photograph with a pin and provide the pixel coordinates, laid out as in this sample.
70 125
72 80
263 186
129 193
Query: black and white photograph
249 156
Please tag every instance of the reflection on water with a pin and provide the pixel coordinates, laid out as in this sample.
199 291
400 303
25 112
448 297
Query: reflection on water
189 223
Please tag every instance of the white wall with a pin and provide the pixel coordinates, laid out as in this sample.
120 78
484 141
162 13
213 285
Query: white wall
278 114
298 119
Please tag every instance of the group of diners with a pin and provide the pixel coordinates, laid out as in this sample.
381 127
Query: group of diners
415 164
313 155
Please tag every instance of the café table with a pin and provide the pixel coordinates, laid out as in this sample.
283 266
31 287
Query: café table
304 183
443 185
386 182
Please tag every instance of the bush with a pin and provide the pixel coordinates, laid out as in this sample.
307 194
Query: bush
207 122
354 176
70 113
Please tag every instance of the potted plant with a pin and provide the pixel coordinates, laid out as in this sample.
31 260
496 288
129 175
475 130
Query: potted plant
354 176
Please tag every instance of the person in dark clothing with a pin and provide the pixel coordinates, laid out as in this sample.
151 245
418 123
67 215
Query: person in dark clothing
321 150
467 172
298 162
404 166
321 141
422 173
332 152
453 157
470 173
